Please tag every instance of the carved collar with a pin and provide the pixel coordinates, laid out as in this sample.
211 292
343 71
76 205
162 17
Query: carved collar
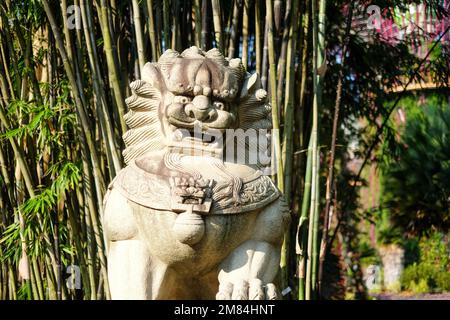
207 197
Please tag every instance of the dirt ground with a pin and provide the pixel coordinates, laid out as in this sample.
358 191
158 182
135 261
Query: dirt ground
405 296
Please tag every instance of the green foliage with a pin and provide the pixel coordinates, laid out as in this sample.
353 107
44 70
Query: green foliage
368 254
30 12
41 208
390 236
11 242
432 271
421 287
412 251
416 189
386 232
37 117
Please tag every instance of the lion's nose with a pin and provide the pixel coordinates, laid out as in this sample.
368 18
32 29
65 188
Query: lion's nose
200 108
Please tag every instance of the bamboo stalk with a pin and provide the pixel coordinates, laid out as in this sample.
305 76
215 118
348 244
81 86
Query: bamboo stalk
281 67
310 286
303 227
205 38
134 60
217 23
159 26
6 71
315 232
245 33
3 271
58 256
273 85
50 279
67 35
90 259
78 239
11 52
176 30
12 282
51 59
36 279
111 58
25 272
304 74
138 33
3 88
321 63
32 283
29 65
227 29
234 26
166 18
4 279
3 276
152 33
198 23
289 132
79 35
258 36
264 67
277 15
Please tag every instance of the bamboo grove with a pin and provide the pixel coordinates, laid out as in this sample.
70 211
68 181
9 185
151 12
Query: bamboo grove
65 67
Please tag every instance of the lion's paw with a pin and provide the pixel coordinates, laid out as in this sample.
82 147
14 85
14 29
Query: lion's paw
241 289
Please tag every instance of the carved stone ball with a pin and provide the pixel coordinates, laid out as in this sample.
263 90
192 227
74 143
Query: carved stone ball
189 228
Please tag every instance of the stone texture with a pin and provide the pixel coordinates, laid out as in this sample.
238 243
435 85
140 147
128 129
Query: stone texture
181 221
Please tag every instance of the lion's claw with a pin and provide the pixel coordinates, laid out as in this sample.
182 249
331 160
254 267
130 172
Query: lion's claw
247 290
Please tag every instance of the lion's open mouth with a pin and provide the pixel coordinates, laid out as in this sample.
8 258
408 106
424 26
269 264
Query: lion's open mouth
193 124
192 134
198 138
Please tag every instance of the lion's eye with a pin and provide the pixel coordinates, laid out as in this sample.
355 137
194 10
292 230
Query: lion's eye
182 99
219 105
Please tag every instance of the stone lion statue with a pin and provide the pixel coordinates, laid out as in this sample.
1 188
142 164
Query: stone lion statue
184 219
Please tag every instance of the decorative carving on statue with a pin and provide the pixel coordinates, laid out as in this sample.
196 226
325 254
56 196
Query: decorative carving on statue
193 215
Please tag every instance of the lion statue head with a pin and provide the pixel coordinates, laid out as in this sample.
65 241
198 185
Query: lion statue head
187 101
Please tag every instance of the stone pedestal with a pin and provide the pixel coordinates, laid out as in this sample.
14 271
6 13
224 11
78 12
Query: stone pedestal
372 278
392 257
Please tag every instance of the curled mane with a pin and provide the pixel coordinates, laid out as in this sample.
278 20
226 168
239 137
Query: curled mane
145 131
